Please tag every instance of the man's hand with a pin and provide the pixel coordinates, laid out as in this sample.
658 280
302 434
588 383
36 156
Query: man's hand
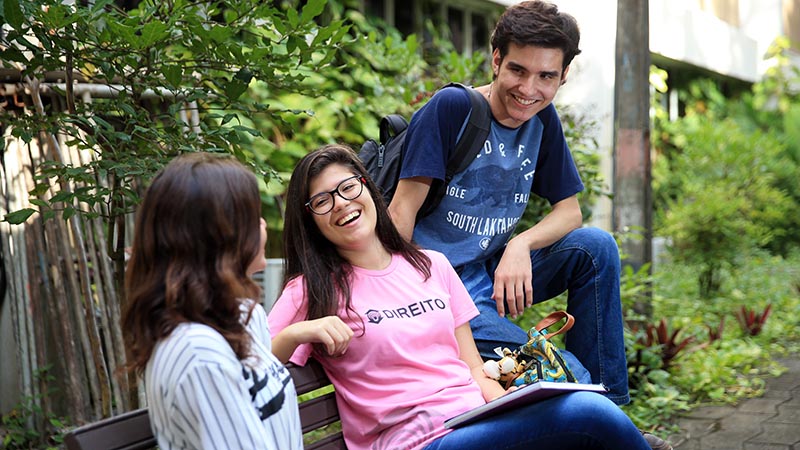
513 279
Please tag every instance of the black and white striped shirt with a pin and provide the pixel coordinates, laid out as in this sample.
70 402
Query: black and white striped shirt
200 396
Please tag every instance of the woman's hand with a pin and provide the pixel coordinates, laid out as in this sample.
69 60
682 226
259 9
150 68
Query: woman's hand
508 391
330 331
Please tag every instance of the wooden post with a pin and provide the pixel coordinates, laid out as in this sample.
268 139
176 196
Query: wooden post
632 204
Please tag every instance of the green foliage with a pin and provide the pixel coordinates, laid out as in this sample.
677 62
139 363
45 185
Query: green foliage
725 373
171 77
731 364
378 72
718 186
725 175
16 432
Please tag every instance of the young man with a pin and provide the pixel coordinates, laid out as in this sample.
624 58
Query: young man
533 45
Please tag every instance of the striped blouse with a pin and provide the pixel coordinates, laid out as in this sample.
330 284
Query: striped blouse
200 396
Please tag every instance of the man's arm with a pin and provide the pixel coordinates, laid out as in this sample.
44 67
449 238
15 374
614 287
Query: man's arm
408 199
513 278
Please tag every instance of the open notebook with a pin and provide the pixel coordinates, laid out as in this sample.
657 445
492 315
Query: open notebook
527 394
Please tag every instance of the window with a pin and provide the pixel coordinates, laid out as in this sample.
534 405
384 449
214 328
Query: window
468 22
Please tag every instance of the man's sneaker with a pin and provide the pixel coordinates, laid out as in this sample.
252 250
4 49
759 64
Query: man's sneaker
656 443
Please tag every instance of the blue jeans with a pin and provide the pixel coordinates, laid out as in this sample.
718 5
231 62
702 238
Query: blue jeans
579 420
585 263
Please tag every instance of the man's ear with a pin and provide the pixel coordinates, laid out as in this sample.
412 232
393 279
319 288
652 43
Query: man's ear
497 60
564 75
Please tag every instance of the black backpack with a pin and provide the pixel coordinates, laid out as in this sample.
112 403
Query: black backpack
383 159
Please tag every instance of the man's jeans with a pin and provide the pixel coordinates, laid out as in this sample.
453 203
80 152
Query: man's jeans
585 263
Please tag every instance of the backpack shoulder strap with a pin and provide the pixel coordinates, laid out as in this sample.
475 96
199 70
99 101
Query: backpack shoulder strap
469 144
473 136
391 126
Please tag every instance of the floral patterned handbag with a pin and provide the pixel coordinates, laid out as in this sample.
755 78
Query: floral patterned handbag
537 360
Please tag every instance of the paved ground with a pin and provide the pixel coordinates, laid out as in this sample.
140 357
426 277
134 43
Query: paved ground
771 422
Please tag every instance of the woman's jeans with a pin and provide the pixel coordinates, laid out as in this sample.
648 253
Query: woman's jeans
585 263
579 420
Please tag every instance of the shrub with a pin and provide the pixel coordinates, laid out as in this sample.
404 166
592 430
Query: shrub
723 198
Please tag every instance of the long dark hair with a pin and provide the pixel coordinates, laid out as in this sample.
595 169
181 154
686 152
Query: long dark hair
308 253
197 231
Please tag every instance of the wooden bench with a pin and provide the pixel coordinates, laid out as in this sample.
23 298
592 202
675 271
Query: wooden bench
131 430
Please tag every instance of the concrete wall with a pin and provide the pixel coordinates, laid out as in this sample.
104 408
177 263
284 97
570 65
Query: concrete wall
590 83
271 279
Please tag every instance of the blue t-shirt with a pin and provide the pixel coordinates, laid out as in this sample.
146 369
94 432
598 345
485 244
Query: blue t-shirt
483 203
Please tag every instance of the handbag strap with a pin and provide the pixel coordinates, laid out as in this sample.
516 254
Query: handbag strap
553 318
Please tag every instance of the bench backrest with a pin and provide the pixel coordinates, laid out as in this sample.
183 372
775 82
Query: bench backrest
131 430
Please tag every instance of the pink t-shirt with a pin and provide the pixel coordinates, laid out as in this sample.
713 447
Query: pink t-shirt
401 377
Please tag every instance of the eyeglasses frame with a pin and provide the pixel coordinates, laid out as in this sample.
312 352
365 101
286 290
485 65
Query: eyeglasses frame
337 192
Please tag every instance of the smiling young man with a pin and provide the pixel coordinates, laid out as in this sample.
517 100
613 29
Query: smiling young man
525 152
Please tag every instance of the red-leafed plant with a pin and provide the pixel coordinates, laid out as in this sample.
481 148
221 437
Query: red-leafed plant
752 322
715 334
669 343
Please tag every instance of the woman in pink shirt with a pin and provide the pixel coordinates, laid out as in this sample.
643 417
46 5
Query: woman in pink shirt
390 324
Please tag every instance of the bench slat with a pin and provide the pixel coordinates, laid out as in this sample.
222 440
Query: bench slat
131 430
127 431
333 442
318 412
309 377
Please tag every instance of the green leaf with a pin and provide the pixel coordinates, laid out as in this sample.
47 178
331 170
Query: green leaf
312 9
291 15
68 212
324 33
12 14
13 54
124 32
292 43
251 131
152 32
127 109
219 34
18 217
102 123
173 74
62 196
244 75
280 26
235 88
39 189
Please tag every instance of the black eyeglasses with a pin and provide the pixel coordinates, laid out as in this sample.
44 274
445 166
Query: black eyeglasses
348 189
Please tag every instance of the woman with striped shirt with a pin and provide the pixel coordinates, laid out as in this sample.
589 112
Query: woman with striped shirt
190 325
